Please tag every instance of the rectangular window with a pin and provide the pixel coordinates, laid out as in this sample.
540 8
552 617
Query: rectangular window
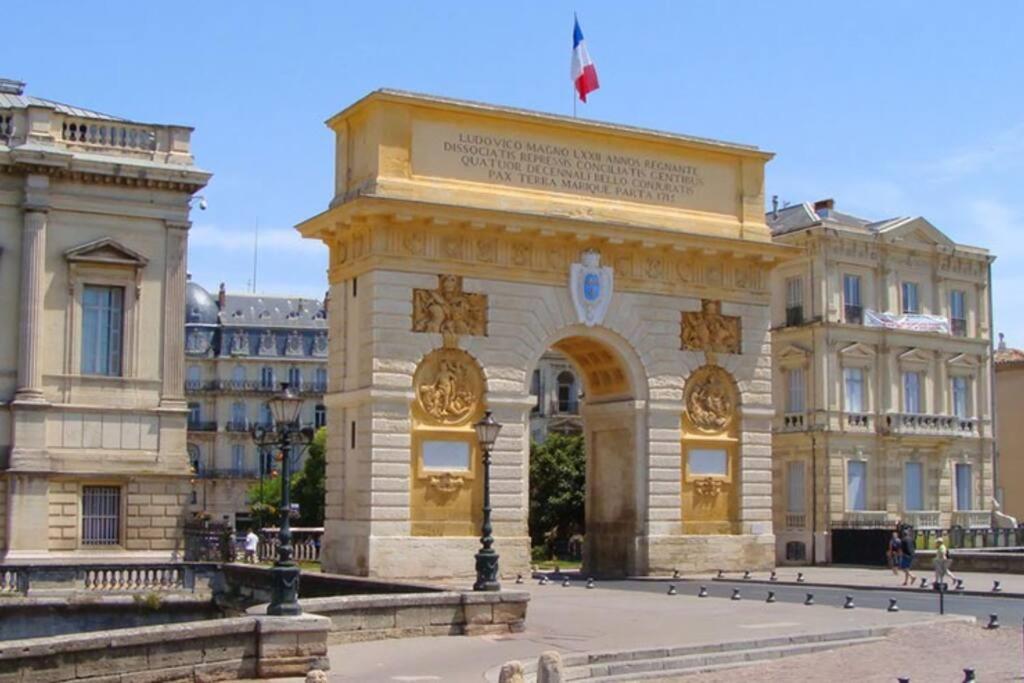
102 325
910 302
853 378
794 301
913 486
101 515
912 392
856 485
707 461
961 407
238 457
795 390
964 487
238 414
319 416
795 487
853 313
445 455
958 313
195 413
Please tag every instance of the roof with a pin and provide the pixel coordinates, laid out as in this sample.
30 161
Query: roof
438 102
1007 356
803 215
273 311
13 101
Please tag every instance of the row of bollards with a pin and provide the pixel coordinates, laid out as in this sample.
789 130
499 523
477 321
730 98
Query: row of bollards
747 575
968 677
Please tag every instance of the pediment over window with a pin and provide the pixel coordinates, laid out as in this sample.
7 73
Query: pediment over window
793 354
857 351
106 251
964 361
918 356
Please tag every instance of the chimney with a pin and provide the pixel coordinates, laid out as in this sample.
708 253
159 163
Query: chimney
9 86
775 207
221 297
823 207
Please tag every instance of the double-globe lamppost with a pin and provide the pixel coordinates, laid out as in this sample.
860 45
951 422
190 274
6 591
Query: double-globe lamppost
487 559
287 435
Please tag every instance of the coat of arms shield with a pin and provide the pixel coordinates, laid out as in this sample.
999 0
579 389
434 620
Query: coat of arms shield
590 284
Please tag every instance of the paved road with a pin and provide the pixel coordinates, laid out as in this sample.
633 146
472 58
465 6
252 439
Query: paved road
1010 610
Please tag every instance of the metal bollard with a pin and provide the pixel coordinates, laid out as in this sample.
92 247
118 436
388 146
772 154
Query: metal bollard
969 675
590 582
672 589
519 578
924 582
959 584
543 580
736 594
799 577
720 573
746 575
772 577
996 588
771 596
993 621
810 599
703 592
902 680
565 582
675 573
849 602
893 607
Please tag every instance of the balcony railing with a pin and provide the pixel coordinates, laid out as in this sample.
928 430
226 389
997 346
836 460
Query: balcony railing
794 316
922 519
237 426
853 315
958 327
202 426
930 425
228 473
858 422
866 518
249 386
793 422
796 520
972 519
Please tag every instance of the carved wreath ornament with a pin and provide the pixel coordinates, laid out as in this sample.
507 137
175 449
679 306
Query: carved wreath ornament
710 399
709 486
449 386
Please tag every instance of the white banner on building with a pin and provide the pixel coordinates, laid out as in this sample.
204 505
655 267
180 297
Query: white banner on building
915 322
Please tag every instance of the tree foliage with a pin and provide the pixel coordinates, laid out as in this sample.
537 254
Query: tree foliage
307 489
557 488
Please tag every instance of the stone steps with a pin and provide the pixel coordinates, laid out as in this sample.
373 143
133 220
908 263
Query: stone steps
669 663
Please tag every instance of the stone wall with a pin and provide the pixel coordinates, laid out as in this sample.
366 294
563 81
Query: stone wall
3 513
155 512
224 649
63 527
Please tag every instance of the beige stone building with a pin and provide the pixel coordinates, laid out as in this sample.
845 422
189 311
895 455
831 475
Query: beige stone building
239 348
557 388
466 241
882 368
94 219
1010 427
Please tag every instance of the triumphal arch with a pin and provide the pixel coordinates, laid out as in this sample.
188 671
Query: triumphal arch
466 240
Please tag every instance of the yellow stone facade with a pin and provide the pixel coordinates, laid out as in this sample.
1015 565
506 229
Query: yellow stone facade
89 204
453 233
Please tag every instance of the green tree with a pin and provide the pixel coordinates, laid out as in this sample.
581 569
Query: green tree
308 489
265 501
557 488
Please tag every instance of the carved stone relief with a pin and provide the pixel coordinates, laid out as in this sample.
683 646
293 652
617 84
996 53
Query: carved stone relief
709 330
446 482
448 309
449 386
709 486
710 399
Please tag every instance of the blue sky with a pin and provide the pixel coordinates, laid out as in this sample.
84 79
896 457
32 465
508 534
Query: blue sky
893 108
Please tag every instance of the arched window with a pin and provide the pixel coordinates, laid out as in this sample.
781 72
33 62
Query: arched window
267 377
567 392
295 378
319 416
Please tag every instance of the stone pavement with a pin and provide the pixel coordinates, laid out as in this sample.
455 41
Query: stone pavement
881 577
575 619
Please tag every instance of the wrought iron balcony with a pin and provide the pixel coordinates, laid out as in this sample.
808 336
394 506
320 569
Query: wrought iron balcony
228 473
853 315
796 520
237 426
202 425
958 327
794 316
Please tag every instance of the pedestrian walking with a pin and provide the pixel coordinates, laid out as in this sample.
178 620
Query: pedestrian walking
907 551
251 541
942 562
893 553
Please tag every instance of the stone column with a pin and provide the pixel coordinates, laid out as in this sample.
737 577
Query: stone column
33 256
173 388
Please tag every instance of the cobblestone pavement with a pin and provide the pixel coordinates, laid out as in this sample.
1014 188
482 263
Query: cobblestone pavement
925 654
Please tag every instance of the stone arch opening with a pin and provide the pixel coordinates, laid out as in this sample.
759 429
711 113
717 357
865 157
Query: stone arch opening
610 418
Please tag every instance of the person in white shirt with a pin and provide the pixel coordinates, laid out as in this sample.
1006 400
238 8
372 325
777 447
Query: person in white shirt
251 541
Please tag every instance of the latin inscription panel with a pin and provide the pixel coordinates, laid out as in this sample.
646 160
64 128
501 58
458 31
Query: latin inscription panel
570 166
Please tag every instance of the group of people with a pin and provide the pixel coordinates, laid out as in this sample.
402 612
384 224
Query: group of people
900 555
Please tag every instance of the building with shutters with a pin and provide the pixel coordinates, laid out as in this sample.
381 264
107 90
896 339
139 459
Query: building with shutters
239 348
882 372
94 220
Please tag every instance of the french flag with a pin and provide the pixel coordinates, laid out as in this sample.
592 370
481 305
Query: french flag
584 73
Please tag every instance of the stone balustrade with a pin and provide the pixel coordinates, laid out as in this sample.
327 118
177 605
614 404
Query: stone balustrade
921 519
962 537
972 519
100 578
305 544
926 424
793 422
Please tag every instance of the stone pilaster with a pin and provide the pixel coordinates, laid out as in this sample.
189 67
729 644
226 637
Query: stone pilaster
33 254
173 387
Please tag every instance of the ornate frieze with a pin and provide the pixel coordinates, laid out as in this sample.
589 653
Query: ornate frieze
267 347
449 310
449 387
293 344
710 331
710 399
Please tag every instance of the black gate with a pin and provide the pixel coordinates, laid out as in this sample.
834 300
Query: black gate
209 542
860 546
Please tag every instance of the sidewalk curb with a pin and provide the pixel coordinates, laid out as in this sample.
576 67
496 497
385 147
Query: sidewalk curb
853 586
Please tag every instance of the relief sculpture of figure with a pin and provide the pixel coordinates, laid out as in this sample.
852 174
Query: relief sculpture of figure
709 330
448 386
449 310
709 401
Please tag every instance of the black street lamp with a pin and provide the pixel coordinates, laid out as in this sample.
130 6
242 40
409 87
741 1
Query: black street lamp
487 559
286 434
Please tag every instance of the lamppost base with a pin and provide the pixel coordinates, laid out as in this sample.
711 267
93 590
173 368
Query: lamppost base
487 571
284 601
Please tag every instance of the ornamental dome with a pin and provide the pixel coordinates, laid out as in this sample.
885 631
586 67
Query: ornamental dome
200 306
